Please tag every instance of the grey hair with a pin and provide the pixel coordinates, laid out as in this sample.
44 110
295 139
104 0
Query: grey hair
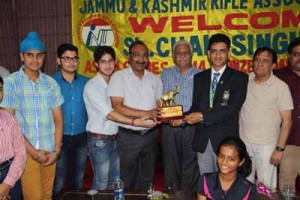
182 42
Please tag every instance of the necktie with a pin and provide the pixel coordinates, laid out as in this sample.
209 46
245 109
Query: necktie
213 87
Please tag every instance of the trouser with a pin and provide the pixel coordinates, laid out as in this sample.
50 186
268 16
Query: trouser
72 162
260 155
105 162
180 161
15 193
207 161
37 180
290 166
137 159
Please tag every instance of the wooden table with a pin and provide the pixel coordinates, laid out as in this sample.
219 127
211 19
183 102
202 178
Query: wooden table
101 195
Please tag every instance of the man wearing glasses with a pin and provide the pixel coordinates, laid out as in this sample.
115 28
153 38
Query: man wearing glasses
135 93
102 130
72 161
180 161
36 100
265 118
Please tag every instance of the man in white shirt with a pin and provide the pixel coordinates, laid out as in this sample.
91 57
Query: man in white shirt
135 92
102 132
265 118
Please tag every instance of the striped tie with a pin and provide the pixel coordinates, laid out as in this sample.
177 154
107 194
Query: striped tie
213 87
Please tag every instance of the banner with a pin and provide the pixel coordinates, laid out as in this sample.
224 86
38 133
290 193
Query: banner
160 23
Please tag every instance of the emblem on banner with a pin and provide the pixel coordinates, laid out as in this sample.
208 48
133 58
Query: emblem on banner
97 31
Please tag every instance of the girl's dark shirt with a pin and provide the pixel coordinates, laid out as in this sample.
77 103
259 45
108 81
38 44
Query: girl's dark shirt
209 185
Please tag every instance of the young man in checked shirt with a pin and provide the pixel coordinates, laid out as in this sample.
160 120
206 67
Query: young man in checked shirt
35 99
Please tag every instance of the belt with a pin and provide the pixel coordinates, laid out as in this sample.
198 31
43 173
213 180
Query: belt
5 164
102 136
141 132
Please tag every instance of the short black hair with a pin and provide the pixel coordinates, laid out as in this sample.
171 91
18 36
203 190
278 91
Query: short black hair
245 169
101 50
138 42
267 49
1 80
66 47
219 37
293 43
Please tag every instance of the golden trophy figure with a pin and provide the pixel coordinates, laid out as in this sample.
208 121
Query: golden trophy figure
168 108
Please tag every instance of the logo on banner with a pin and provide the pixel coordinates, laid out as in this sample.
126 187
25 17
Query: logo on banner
98 31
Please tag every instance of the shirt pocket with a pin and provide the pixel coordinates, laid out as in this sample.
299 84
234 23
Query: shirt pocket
269 101
99 144
46 96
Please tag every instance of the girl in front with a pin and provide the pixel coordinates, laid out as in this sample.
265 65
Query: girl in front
230 182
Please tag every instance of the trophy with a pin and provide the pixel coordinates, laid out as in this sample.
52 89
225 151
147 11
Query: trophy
169 109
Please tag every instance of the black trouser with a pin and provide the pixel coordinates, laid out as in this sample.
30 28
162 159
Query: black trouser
180 161
16 192
137 159
71 165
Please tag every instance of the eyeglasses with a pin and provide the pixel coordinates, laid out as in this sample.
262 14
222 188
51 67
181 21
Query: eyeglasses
137 55
186 53
37 56
296 54
105 62
262 61
69 59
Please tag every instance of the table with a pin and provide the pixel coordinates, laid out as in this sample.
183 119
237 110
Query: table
275 196
101 195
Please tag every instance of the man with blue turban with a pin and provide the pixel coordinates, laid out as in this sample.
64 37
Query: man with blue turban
36 100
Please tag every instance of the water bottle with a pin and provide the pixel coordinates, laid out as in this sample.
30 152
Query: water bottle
118 188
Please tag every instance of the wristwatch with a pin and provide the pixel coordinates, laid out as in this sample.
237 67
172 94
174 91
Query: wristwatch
57 154
278 148
201 120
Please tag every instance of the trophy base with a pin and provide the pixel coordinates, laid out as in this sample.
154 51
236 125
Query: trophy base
171 112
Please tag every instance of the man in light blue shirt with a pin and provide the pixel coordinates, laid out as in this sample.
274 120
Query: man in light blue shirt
71 165
180 161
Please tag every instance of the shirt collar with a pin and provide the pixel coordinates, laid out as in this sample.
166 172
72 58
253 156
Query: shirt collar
132 73
268 82
190 71
62 77
221 71
218 182
22 72
101 79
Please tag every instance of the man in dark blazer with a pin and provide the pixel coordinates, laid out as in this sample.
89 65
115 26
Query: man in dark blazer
218 95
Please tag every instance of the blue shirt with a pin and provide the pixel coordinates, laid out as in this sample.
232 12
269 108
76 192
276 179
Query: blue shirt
172 76
33 103
73 110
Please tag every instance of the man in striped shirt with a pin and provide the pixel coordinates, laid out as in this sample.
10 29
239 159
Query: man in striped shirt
12 154
36 100
180 161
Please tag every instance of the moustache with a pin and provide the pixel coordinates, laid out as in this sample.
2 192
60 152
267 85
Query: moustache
141 63
183 59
